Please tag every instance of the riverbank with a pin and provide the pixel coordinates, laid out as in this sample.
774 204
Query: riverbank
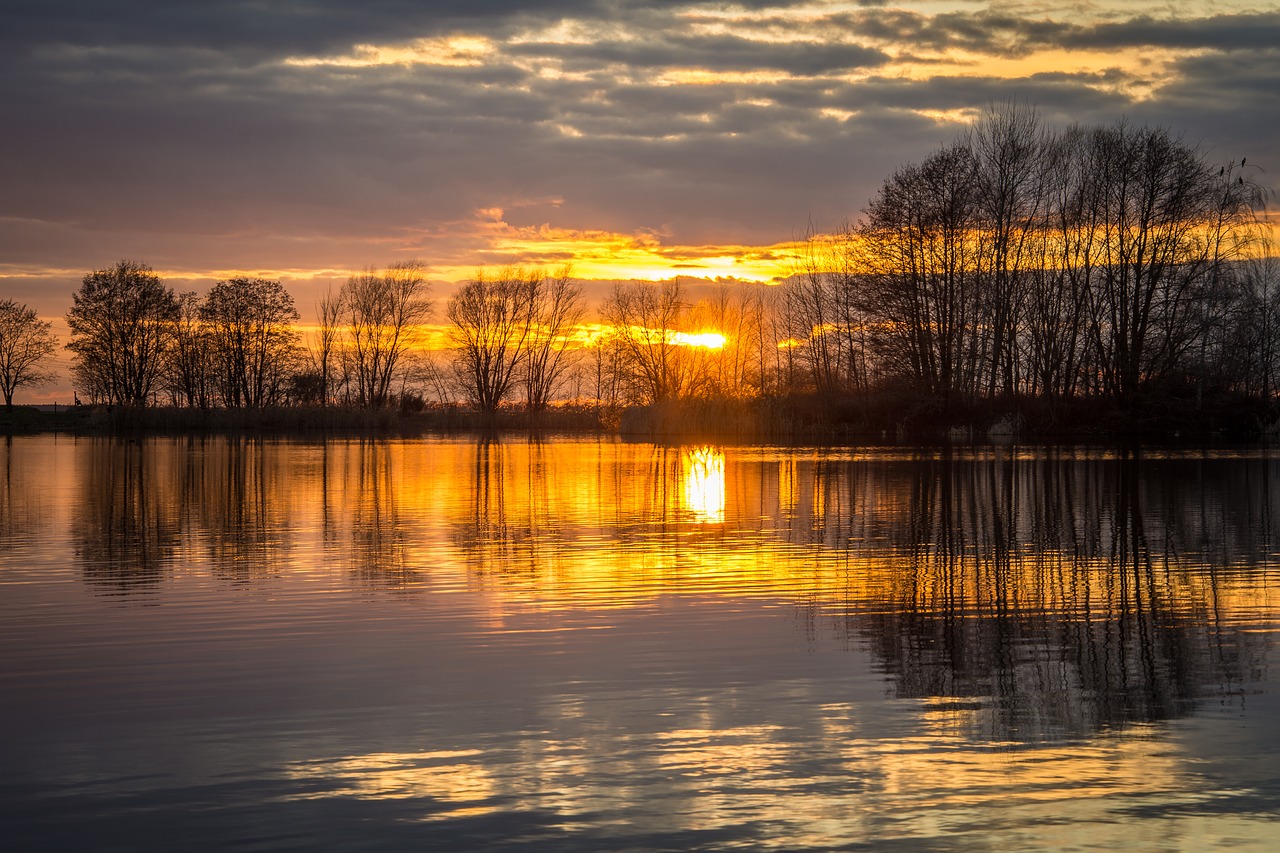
297 419
792 419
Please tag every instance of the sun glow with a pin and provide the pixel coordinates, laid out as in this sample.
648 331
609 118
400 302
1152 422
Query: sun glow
710 340
642 255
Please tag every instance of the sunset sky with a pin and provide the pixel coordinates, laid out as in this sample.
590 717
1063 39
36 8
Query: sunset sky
304 140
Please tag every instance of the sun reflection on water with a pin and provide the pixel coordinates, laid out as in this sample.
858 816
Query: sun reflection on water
704 484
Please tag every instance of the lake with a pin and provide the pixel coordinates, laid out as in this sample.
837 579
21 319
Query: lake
456 644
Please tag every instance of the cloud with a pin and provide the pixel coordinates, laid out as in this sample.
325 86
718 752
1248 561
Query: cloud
328 135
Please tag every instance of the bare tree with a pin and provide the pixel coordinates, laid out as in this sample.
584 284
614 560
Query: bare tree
249 323
189 369
1007 144
555 311
329 309
649 328
122 321
1170 221
1058 286
605 368
923 273
383 313
490 319
26 342
814 315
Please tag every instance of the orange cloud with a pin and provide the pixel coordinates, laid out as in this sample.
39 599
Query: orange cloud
598 254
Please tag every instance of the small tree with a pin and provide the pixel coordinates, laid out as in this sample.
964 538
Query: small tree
329 309
648 321
25 343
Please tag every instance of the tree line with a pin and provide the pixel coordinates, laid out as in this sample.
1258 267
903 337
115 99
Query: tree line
1019 266
1113 263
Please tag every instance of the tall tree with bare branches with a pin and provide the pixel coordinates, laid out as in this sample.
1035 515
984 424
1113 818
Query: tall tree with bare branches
383 312
490 321
555 310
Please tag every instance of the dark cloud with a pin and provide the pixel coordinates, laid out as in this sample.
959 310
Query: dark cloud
282 27
982 32
1220 32
718 52
254 26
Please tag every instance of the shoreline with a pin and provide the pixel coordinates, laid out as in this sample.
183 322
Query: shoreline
781 422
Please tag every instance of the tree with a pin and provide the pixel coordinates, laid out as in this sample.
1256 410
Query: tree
329 310
189 372
1170 221
383 312
26 342
122 320
825 318
649 320
813 315
252 339
1058 287
923 256
1008 146
555 310
491 320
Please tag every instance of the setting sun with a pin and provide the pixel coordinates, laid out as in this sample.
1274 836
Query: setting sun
710 340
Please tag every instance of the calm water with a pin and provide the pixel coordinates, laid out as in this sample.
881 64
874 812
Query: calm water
574 645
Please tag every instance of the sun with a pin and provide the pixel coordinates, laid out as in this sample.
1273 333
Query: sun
710 340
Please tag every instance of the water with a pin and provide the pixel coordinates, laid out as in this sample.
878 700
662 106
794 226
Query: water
581 645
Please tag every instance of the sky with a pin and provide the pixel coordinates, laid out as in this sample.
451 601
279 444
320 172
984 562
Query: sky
306 140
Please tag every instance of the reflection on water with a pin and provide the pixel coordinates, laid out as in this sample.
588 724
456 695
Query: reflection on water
609 645
704 487
1071 594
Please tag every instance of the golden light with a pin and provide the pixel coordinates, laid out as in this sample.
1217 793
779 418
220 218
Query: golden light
460 50
710 340
704 483
597 254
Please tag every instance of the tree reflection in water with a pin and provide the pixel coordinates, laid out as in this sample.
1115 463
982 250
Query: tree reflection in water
377 549
1051 598
1017 594
130 517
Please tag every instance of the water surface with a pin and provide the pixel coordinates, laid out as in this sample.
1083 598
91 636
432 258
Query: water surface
573 644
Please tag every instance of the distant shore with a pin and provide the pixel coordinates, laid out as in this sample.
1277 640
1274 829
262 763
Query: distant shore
802 419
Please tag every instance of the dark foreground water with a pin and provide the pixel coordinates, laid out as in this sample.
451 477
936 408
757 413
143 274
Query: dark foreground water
571 645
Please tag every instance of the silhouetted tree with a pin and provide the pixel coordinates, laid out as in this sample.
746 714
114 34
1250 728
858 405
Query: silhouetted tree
921 240
648 320
189 368
555 310
491 319
122 322
249 323
329 310
1008 145
813 315
26 342
382 313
